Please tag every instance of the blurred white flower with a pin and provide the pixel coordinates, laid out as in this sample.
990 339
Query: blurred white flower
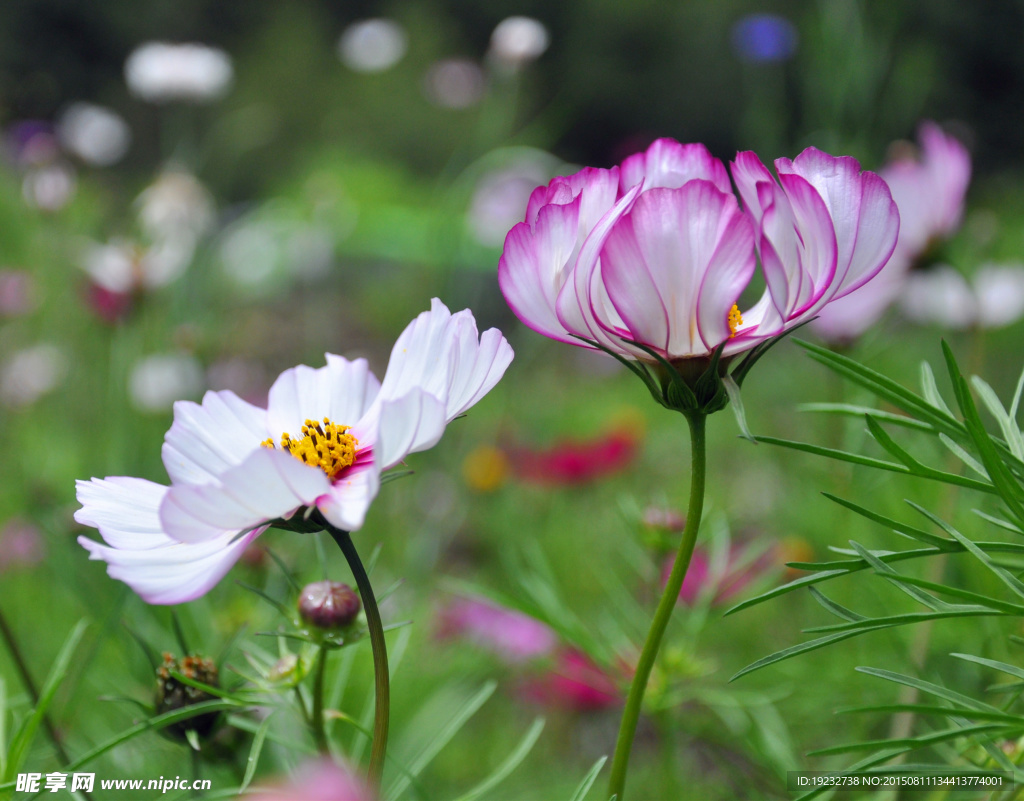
999 290
31 373
175 205
159 72
123 266
157 381
501 195
48 188
454 83
518 40
95 134
942 296
273 245
372 45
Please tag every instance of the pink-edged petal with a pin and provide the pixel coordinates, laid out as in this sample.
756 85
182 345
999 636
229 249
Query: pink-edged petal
347 501
411 423
816 243
342 390
948 165
863 213
535 264
575 306
670 164
206 439
748 172
727 274
158 568
269 484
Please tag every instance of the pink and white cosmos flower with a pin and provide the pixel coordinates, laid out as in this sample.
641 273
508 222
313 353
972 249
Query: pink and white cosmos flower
929 192
321 443
658 251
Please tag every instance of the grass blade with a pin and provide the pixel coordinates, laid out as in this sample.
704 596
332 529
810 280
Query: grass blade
588 781
519 753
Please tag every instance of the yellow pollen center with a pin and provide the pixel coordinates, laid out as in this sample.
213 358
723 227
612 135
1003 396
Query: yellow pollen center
735 320
327 446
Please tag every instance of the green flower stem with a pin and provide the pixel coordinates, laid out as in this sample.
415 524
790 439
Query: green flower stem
382 680
669 598
317 718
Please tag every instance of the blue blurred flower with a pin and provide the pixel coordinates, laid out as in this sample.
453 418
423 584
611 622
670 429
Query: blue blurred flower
764 38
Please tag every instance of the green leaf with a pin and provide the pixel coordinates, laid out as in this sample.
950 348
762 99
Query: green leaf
440 740
1005 576
22 741
911 743
928 709
927 687
795 650
876 623
833 607
519 753
882 569
885 388
1011 670
964 456
966 595
852 410
588 781
930 390
732 389
900 528
284 569
1011 432
255 751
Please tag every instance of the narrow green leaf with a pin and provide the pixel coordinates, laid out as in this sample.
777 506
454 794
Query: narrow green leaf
255 751
732 389
928 709
1005 576
927 687
283 568
795 650
954 733
22 741
833 607
1011 670
900 528
1006 525
876 623
1011 432
887 572
966 595
440 740
502 772
930 390
964 456
588 781
280 607
884 388
852 410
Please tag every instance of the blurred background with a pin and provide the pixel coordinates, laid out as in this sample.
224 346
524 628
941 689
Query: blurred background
304 179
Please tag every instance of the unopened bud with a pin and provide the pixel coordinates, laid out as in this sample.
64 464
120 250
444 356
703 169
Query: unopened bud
328 604
172 694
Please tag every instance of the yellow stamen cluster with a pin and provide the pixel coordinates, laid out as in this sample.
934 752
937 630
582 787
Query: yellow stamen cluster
735 320
326 446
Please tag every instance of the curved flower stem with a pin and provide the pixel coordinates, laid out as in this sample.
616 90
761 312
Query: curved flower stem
669 598
317 718
382 680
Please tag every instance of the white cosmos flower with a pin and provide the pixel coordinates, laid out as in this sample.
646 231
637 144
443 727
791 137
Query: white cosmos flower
235 467
159 72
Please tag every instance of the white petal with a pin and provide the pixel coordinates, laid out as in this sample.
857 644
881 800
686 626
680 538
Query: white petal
160 569
342 390
422 356
479 365
206 439
408 424
269 484
348 500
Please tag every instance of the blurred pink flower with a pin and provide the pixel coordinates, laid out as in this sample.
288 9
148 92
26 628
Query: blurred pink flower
659 251
929 192
21 544
700 581
511 635
17 293
574 461
318 781
575 682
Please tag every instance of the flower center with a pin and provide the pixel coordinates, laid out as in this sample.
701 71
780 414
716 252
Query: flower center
326 446
735 320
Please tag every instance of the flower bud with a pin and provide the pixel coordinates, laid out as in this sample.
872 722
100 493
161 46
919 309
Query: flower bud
328 604
172 694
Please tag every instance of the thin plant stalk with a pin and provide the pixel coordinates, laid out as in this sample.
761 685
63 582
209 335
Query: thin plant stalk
26 677
382 680
669 598
317 718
